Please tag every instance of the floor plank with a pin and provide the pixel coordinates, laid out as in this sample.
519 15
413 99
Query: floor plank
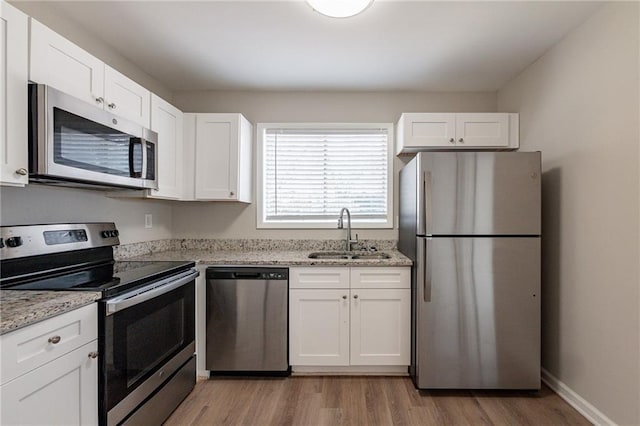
318 400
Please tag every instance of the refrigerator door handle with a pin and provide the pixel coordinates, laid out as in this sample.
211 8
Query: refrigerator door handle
420 193
423 278
426 208
427 271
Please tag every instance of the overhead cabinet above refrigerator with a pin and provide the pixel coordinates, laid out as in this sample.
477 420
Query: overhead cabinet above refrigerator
462 131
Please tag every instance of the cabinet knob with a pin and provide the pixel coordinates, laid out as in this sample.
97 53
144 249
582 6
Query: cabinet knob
22 171
452 140
54 340
231 194
355 296
112 105
100 100
461 140
344 297
93 355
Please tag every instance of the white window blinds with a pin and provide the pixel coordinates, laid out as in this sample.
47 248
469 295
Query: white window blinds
310 174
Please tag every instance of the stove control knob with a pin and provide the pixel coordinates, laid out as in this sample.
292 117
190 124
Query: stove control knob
115 233
1 243
105 234
14 241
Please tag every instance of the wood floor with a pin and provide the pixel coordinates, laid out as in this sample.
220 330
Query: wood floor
363 401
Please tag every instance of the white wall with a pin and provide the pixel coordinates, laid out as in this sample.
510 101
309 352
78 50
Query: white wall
578 104
229 220
49 16
44 204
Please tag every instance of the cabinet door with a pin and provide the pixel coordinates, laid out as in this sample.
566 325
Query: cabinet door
126 98
482 129
13 96
318 327
56 61
423 130
167 121
216 156
380 326
62 392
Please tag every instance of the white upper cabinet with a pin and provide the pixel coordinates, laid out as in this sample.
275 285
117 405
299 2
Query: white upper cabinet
125 97
483 129
57 62
222 157
14 38
437 131
167 121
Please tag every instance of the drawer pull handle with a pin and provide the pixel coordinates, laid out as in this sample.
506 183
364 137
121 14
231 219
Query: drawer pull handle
93 355
54 340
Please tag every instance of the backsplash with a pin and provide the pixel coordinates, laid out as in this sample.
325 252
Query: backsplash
138 249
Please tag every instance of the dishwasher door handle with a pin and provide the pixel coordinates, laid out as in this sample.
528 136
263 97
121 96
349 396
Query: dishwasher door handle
240 275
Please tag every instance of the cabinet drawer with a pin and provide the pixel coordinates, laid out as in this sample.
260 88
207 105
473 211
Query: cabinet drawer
319 277
378 277
26 349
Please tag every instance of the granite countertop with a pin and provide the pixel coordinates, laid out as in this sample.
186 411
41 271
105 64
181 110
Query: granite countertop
270 257
20 308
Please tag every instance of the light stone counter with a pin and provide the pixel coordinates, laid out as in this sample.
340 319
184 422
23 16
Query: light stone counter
20 308
270 257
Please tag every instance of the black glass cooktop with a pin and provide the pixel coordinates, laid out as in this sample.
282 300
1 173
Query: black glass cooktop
110 278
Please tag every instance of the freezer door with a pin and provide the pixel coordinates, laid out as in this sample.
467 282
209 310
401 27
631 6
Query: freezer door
479 193
477 305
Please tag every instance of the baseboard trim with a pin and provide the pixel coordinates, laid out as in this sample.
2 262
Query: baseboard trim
592 414
353 370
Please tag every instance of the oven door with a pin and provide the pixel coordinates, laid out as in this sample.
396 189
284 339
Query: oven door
149 334
72 140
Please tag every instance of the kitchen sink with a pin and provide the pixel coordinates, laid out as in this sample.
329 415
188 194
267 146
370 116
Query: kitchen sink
348 255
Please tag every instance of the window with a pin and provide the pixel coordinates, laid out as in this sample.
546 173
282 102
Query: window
308 172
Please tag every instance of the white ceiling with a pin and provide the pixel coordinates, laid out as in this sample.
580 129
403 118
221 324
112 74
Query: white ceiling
285 45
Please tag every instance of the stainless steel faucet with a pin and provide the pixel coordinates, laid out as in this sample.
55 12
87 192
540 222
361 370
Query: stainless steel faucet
348 240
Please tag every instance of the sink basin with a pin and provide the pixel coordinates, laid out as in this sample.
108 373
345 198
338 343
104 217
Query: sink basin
348 255
365 255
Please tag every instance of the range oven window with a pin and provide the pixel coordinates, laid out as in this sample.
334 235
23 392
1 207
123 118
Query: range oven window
141 338
84 144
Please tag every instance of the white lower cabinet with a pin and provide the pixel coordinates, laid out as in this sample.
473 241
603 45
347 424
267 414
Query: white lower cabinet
319 327
50 371
380 325
350 324
62 392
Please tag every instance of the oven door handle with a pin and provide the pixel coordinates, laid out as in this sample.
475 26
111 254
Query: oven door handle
149 292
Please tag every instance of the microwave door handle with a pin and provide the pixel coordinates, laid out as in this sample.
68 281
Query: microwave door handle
132 167
143 294
143 147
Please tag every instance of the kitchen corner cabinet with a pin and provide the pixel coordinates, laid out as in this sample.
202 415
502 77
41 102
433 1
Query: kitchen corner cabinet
14 36
50 371
167 122
445 131
221 155
59 63
349 316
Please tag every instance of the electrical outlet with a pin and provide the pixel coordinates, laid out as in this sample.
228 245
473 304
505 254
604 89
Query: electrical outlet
148 221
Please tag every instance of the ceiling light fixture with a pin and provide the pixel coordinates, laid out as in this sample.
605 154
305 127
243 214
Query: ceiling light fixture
339 8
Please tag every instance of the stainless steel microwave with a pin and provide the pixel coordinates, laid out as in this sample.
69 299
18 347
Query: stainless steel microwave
72 143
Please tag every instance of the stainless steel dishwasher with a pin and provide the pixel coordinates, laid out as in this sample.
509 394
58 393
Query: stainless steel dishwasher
247 321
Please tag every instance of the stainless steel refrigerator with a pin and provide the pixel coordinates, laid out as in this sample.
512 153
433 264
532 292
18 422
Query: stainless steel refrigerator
470 221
